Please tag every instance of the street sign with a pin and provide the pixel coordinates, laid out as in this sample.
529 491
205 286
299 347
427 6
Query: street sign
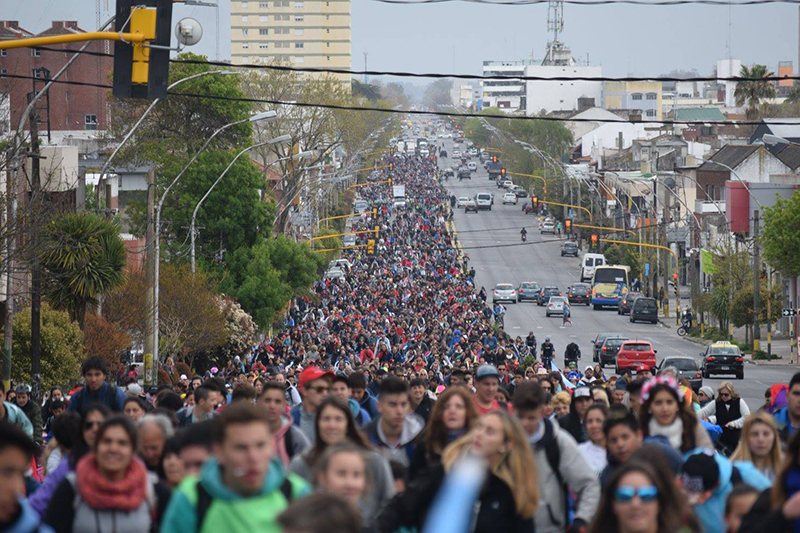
789 312
706 289
647 269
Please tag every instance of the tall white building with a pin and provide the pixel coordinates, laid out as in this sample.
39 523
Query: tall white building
729 68
303 33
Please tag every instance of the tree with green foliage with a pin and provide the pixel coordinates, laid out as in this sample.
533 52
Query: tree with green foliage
437 93
83 258
780 238
62 348
751 94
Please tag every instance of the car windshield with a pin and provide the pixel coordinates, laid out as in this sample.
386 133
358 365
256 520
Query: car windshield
646 303
504 287
551 289
614 343
637 347
557 300
724 350
680 364
528 286
484 197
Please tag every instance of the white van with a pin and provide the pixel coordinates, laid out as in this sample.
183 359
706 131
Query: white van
588 263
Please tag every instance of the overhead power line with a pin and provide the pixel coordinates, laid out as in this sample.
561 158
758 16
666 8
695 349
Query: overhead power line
439 75
776 122
665 3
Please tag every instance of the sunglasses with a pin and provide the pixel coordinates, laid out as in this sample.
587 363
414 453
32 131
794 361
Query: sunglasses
724 394
90 425
624 494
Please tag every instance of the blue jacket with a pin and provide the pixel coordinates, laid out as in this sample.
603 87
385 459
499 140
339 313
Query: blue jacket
711 513
360 415
27 521
785 428
109 395
369 404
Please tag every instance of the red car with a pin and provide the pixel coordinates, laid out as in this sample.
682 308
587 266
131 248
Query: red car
636 356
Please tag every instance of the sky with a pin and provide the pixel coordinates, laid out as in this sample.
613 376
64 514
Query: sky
459 36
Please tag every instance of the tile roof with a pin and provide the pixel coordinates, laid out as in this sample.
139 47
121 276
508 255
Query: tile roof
730 156
790 156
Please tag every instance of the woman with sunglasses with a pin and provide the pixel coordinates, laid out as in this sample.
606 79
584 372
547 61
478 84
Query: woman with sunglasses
731 411
91 420
638 500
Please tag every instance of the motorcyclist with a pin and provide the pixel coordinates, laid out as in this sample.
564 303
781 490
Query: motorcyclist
547 352
482 294
687 317
572 353
524 233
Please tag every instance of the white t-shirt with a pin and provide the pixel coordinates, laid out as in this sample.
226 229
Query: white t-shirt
594 455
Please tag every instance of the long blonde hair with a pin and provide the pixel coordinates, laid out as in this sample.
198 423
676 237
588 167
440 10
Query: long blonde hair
517 467
742 451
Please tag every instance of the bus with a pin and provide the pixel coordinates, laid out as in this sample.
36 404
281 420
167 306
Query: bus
609 284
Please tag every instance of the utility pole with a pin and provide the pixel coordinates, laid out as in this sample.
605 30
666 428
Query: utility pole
578 214
151 369
11 215
665 255
756 284
36 267
365 68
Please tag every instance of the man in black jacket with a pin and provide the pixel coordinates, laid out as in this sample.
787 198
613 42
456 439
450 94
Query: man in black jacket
573 422
420 401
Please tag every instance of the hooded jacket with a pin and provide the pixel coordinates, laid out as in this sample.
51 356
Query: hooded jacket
229 511
17 416
575 473
404 450
360 415
711 513
34 414
785 428
369 404
27 521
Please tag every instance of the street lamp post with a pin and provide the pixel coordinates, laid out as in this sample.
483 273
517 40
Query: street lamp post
192 226
268 115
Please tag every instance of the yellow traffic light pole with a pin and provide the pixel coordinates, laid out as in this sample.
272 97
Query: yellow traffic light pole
574 225
548 202
367 184
323 250
340 235
530 176
348 215
73 38
660 247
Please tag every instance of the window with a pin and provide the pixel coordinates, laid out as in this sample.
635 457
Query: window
285 31
298 31
652 96
299 59
298 5
244 18
36 73
35 52
3 72
244 31
327 58
285 3
651 112
263 46
3 53
327 30
298 18
90 121
299 45
263 5
262 18
327 45
286 18
636 96
245 46
263 31
244 5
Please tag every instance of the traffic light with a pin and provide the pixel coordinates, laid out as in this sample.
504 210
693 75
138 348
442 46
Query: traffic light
494 159
141 70
391 166
568 225
594 240
390 182
375 213
371 247
470 132
535 202
376 230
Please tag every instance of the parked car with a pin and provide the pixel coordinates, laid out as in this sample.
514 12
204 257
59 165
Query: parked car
555 306
504 292
545 294
644 308
723 358
569 248
470 206
510 198
548 227
636 355
687 368
527 290
580 293
597 343
607 355
626 301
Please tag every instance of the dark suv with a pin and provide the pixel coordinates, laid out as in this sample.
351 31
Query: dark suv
608 351
580 293
546 293
644 308
723 358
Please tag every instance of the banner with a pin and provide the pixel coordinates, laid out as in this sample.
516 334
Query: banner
707 262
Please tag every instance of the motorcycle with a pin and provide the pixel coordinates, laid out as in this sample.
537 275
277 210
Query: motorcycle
524 237
686 324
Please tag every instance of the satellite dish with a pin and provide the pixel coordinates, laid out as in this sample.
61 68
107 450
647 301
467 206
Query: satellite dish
188 31
670 182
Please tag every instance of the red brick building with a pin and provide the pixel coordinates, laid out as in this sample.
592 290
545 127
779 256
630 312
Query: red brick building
72 107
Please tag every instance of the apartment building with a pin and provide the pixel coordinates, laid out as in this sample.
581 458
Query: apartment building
643 96
301 33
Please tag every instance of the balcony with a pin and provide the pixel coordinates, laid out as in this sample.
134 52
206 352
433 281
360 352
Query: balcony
704 207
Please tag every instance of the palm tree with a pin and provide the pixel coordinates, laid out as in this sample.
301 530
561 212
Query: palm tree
83 257
751 93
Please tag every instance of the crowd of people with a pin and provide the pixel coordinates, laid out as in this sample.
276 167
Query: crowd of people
375 393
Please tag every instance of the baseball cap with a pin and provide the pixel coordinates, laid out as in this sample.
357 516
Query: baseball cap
313 373
582 392
700 473
541 372
134 389
183 376
486 371
589 367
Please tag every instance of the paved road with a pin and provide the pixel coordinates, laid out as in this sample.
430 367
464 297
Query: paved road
492 241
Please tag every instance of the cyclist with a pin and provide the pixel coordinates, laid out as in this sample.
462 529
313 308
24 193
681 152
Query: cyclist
530 341
547 353
499 314
572 354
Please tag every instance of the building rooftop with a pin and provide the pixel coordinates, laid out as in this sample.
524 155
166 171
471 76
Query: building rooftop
787 131
790 156
730 156
699 114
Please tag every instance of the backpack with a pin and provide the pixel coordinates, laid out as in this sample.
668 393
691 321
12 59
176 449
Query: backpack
204 500
553 454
